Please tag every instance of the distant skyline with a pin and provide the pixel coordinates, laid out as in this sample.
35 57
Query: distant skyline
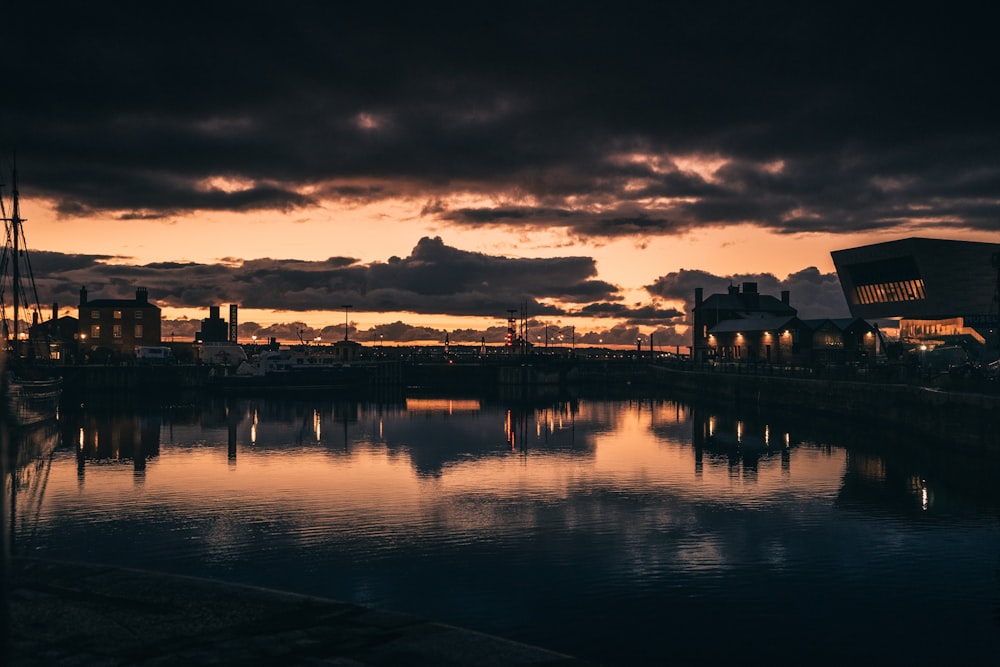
435 165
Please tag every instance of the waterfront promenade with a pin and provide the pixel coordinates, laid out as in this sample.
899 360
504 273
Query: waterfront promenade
76 614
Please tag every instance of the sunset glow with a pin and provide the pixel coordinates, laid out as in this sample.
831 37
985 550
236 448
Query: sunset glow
434 190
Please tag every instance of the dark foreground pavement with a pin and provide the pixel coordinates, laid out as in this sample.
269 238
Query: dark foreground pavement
76 614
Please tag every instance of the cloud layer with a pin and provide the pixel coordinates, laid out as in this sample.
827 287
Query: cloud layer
433 279
646 119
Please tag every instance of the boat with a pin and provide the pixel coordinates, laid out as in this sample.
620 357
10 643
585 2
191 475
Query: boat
302 370
31 389
31 402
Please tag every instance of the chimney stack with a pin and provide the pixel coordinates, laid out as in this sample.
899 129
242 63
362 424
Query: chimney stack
785 295
142 295
83 296
698 295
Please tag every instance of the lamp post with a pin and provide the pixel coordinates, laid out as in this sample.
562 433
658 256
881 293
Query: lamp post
347 307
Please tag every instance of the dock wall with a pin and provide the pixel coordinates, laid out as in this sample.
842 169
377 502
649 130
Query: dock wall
968 418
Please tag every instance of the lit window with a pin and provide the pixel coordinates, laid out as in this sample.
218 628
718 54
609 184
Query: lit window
118 314
138 331
909 290
95 331
116 332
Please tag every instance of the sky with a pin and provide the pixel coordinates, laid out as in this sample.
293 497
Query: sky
436 165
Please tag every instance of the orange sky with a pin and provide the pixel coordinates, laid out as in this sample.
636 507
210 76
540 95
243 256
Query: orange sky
500 161
374 233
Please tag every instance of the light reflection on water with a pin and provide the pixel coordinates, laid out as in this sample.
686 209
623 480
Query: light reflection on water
623 531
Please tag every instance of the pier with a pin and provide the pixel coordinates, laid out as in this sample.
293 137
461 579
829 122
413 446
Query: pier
972 417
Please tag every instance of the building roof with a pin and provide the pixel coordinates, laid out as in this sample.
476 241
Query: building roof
739 302
119 303
840 323
756 323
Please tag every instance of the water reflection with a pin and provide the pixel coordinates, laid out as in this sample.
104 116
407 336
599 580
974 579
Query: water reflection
585 525
107 438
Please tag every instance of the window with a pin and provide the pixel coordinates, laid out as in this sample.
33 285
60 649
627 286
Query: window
95 314
138 314
116 332
138 331
118 314
95 331
889 292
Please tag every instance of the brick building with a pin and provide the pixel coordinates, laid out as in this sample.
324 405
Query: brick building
118 325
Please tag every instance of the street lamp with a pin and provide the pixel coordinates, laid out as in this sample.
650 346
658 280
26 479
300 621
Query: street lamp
346 308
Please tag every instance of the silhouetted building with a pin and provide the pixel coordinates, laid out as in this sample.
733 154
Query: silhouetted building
744 326
213 328
346 351
118 325
748 308
940 290
55 339
846 340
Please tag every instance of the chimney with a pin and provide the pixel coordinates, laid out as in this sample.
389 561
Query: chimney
55 310
142 295
751 299
785 295
213 312
734 289
698 294
83 296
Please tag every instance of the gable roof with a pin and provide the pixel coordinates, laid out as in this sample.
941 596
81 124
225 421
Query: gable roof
840 323
759 323
738 302
119 303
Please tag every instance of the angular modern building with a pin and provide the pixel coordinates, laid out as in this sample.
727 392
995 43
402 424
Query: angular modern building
939 289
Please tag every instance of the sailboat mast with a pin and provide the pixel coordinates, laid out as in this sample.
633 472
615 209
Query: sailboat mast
15 216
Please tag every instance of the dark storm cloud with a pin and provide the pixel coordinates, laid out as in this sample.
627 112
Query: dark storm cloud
814 294
633 315
835 118
433 279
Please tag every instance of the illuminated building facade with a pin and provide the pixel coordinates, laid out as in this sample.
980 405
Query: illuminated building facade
939 290
118 325
746 308
744 326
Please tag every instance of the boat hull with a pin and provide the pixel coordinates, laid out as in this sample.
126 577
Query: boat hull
33 401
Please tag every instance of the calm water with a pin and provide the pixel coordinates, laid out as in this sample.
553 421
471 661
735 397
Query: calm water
641 531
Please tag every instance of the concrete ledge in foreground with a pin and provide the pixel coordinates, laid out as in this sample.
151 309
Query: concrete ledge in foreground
78 614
